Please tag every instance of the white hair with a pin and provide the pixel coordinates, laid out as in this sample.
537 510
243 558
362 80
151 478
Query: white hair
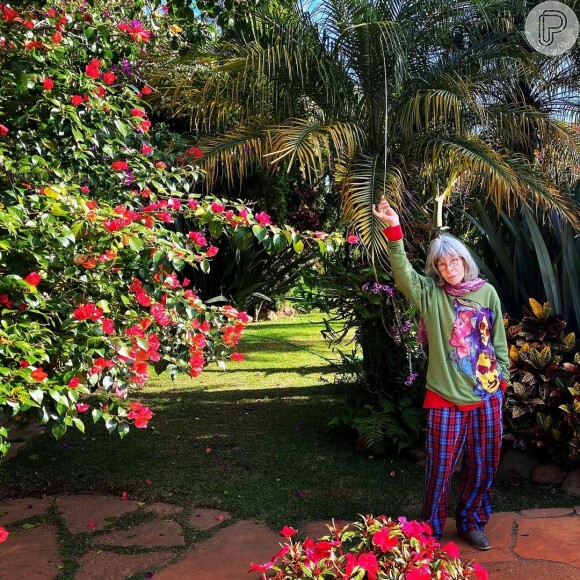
446 246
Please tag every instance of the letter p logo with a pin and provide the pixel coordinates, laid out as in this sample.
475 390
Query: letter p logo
550 23
552 28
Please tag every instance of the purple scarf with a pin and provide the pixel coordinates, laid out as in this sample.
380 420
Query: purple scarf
458 290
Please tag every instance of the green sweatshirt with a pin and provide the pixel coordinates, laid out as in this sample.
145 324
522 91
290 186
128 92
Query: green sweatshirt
468 354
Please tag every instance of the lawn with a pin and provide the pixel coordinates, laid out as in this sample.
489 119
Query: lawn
253 440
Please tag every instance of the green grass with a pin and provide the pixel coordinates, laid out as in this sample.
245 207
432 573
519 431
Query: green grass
272 457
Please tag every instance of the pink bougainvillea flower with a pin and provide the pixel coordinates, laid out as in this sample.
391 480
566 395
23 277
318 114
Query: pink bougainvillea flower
480 573
217 207
87 311
82 407
146 149
109 78
47 84
3 130
38 375
352 239
124 496
422 573
451 549
288 531
108 325
23 364
3 534
56 37
92 69
263 218
33 279
211 251
120 165
86 189
383 539
237 356
139 414
148 482
9 14
28 24
146 90
91 525
260 567
76 100
198 238
74 383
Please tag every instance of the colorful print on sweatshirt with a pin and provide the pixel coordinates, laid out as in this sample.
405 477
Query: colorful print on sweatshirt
472 352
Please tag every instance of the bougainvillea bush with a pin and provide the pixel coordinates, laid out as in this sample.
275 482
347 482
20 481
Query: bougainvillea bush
373 549
98 217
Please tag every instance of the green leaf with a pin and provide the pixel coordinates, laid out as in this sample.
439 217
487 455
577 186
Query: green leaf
58 430
135 243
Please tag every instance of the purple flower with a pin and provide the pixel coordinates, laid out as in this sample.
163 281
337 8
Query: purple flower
129 178
365 287
406 326
411 379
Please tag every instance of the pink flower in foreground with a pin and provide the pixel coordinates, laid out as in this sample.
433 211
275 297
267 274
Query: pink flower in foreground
47 84
237 356
124 496
120 165
76 100
217 207
3 534
451 549
33 279
108 325
480 573
263 218
383 539
422 573
288 531
260 567
73 383
3 130
82 407
352 239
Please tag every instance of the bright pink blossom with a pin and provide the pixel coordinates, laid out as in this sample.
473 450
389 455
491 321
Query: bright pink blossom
211 251
47 84
260 567
82 407
263 218
3 130
120 165
146 149
383 539
217 207
238 357
74 383
87 311
198 238
451 549
108 325
140 414
352 239
76 100
480 573
3 534
422 573
288 531
109 78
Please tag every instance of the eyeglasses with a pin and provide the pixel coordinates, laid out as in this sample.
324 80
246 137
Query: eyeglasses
453 263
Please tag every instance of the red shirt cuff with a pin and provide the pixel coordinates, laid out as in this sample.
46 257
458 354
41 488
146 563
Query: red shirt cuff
393 233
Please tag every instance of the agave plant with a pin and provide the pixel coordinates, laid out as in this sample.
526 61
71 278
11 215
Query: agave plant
544 373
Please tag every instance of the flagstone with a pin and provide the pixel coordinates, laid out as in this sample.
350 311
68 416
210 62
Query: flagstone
536 570
111 566
163 509
227 554
205 518
499 530
549 539
31 553
318 528
547 513
79 510
13 510
157 534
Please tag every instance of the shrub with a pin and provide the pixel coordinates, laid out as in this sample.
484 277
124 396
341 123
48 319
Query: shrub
372 548
542 401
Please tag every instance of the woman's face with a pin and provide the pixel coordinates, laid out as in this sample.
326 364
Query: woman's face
452 269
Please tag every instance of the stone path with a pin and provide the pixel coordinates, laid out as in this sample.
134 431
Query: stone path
112 538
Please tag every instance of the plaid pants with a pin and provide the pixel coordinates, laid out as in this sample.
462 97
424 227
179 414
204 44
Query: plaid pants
478 433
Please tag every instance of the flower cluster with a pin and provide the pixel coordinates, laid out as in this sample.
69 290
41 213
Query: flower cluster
376 288
373 548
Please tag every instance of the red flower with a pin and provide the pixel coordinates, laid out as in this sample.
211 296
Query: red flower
92 69
73 383
86 189
146 149
124 496
8 14
422 573
87 311
352 239
383 539
287 531
160 164
23 364
148 482
108 325
260 567
198 238
38 375
217 207
82 407
91 525
145 125
32 44
140 414
51 13
237 357
76 100
480 573
211 251
3 534
138 113
451 549
28 24
33 279
120 165
109 78
47 84
3 130
194 152
146 90
263 218
56 37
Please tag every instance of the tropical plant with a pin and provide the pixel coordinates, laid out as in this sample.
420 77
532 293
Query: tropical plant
92 290
371 548
541 400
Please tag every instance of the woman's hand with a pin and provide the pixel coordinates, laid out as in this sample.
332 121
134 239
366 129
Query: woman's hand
386 213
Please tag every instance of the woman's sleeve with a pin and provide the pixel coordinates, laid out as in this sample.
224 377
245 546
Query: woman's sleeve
414 286
499 341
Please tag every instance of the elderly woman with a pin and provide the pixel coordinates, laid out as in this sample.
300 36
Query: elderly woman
466 376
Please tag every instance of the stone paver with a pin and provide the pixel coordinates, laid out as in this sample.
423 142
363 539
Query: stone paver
548 513
163 509
204 519
111 566
160 534
21 509
79 510
527 570
318 529
31 553
554 539
227 554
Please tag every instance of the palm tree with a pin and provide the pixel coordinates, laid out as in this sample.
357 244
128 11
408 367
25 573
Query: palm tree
410 98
